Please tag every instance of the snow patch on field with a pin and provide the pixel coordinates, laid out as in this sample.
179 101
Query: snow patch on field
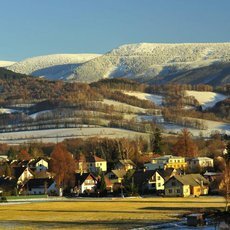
54 135
35 115
206 99
156 99
123 107
211 126
4 110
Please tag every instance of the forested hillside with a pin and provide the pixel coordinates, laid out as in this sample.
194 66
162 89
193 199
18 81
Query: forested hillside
30 103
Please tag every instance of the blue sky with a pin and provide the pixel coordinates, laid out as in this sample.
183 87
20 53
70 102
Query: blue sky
32 27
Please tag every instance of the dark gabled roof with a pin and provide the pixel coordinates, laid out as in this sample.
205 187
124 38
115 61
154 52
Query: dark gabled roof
7 182
17 171
190 179
141 177
81 177
39 182
165 173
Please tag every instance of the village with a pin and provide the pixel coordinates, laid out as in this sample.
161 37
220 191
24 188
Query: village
167 176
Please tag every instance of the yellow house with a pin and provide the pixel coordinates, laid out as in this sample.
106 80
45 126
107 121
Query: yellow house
167 161
176 162
186 185
96 164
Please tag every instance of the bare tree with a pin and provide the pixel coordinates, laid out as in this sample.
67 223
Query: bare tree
185 146
63 166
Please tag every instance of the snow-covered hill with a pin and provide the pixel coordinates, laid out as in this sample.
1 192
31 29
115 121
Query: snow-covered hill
6 63
149 62
56 66
206 99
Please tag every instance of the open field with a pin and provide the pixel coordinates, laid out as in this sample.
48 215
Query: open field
54 135
100 213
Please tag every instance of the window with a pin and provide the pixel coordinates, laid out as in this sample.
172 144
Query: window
158 178
159 184
170 190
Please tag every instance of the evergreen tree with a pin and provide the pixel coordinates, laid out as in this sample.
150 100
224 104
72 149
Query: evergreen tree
11 153
128 183
101 185
156 141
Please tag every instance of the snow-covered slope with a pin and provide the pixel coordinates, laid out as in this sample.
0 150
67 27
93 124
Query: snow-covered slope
206 99
156 99
56 66
4 110
6 63
153 62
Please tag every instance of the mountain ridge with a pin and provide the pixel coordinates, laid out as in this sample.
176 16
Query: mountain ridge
145 62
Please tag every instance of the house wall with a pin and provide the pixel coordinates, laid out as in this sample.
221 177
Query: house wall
156 182
88 185
97 166
53 189
174 188
36 191
201 163
176 163
153 166
196 190
42 165
25 175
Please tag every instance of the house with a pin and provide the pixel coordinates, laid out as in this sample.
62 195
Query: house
149 181
200 163
37 186
34 182
26 175
167 161
214 179
125 164
186 185
116 176
84 183
96 164
41 165
153 180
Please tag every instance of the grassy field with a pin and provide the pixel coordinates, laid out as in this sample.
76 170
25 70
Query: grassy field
101 213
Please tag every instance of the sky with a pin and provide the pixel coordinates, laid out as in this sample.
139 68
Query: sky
32 28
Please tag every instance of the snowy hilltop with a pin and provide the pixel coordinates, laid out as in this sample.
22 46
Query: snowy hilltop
6 63
149 62
54 67
191 63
